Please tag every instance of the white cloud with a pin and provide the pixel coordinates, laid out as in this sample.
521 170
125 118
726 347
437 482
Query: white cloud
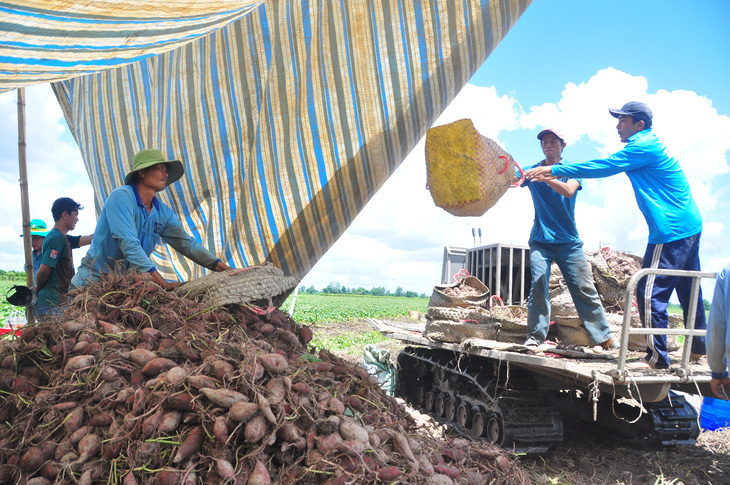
54 165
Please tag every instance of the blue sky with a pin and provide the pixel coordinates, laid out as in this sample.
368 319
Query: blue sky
562 65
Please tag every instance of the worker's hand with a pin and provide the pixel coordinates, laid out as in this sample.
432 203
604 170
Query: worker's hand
721 388
171 285
221 266
539 174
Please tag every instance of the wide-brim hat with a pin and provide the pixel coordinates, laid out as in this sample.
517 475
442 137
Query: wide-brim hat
147 158
38 228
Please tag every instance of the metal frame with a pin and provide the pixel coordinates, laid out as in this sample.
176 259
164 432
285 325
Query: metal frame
682 373
485 262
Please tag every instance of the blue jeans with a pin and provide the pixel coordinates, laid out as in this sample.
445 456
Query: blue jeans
46 311
653 293
572 262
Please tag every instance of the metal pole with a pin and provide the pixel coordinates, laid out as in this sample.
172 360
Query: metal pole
24 200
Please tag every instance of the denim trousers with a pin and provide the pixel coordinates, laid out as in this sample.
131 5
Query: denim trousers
576 270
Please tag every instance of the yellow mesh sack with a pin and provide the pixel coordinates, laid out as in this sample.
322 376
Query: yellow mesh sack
467 173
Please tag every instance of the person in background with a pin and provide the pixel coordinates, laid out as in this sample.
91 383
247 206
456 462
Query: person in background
38 233
133 220
664 197
57 268
554 237
718 336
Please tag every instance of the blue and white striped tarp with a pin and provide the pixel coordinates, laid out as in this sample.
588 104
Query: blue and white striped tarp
288 120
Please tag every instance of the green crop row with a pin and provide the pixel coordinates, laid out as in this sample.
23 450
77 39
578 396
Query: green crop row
320 308
6 309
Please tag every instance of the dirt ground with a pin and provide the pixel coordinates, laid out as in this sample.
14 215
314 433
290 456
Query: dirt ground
585 457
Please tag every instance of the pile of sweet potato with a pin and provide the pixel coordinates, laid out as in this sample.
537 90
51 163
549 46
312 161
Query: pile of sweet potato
138 385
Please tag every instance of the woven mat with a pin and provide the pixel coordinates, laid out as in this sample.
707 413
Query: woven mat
265 285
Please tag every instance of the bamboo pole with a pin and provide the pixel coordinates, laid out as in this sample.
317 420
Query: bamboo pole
24 199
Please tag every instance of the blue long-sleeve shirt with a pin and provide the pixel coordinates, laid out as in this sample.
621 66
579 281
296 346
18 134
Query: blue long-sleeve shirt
554 213
126 232
718 327
660 186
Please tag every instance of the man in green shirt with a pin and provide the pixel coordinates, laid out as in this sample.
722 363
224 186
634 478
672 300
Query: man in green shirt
57 269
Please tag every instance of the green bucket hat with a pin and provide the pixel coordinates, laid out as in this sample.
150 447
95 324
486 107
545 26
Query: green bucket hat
148 158
38 228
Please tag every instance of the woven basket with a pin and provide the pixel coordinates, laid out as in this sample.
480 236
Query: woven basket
455 332
467 173
512 331
610 288
472 314
472 292
571 331
265 285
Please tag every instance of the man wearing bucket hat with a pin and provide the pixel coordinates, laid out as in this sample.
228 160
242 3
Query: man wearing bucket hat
664 197
133 220
554 238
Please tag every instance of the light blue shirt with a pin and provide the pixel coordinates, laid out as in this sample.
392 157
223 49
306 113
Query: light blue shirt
126 232
554 213
660 186
718 330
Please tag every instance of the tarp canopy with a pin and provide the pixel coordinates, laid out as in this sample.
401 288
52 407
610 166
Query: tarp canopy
288 115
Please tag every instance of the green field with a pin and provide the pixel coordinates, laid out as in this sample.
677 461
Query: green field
320 308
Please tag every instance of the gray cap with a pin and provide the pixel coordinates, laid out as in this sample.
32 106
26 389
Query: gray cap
637 110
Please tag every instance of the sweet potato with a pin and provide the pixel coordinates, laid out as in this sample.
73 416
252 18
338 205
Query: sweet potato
220 430
78 362
255 429
89 446
450 472
34 458
265 408
301 388
401 445
289 432
305 334
155 366
169 422
186 352
274 363
146 449
328 443
130 479
30 333
149 425
350 430
424 465
80 347
50 470
79 433
275 391
38 481
167 477
73 420
199 381
176 376
221 369
223 397
259 475
351 447
243 411
150 334
63 447
389 473
101 419
191 445
110 329
225 469
71 327
139 356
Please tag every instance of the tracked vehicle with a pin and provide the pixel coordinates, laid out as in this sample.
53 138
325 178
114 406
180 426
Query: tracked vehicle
519 398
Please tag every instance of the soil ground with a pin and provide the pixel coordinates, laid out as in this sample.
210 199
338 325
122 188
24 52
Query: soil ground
585 457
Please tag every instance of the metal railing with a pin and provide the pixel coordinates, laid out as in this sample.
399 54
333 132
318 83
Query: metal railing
682 372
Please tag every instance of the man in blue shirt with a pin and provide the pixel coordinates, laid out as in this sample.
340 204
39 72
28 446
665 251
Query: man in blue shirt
718 336
133 220
554 237
664 197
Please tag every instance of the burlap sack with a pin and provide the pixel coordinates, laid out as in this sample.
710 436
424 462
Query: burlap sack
467 172
472 314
